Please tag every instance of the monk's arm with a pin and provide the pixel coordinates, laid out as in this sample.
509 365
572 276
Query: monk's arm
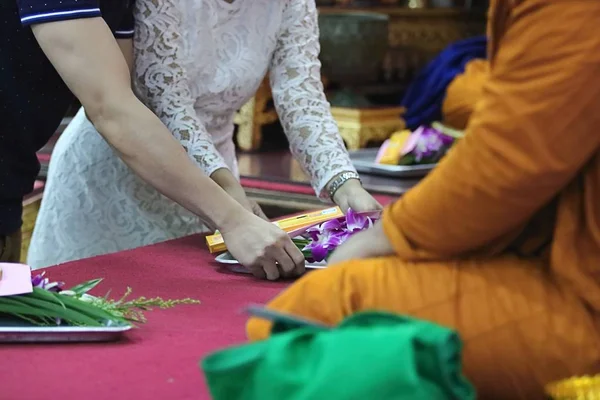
463 93
533 131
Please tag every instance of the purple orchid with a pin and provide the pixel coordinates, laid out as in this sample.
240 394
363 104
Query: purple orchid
334 225
326 237
39 281
356 222
426 142
326 242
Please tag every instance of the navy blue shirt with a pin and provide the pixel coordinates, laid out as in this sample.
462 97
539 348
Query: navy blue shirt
33 97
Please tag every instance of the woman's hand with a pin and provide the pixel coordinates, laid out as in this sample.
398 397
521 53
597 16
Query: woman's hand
263 248
352 195
240 196
232 186
367 244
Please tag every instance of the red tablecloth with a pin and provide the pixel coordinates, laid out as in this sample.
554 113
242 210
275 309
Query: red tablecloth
159 360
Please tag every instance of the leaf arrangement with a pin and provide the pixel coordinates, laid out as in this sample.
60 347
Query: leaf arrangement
49 305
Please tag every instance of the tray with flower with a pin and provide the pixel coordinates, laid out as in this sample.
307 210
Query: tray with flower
408 154
50 313
318 241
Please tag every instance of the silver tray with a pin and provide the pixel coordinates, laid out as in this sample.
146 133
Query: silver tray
234 266
16 331
364 161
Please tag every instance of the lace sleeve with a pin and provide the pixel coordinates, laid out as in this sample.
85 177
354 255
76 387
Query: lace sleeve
299 98
162 82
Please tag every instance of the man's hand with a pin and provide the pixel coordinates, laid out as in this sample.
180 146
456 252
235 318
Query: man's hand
367 244
352 195
224 178
263 248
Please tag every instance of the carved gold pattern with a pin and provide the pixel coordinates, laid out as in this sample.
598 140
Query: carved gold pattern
415 36
253 116
359 127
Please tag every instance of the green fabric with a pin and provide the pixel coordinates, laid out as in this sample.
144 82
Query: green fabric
370 355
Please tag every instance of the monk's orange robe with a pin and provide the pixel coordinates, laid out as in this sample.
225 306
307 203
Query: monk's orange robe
463 93
502 240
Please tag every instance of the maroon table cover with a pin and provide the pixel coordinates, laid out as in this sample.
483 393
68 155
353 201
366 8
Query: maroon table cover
159 360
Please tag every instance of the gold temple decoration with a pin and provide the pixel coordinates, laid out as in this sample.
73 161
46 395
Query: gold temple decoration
416 4
253 116
578 388
358 126
415 36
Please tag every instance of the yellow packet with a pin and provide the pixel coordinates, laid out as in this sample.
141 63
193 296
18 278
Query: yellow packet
216 244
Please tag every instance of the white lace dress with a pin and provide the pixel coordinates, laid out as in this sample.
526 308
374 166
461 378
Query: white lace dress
197 62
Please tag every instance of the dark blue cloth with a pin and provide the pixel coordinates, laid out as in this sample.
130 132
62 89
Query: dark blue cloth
425 95
118 14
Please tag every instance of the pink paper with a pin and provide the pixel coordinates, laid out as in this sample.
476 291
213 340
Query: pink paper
15 279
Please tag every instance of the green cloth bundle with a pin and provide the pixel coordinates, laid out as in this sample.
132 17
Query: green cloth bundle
370 355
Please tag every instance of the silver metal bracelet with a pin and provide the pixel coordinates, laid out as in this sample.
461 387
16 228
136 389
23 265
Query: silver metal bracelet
339 181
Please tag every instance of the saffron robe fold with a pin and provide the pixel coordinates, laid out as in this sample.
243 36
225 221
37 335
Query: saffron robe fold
502 241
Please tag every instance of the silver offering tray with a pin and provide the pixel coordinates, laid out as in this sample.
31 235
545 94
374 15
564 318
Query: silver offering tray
18 331
364 162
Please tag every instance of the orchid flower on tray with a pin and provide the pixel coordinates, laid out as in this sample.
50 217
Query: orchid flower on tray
319 241
425 145
51 305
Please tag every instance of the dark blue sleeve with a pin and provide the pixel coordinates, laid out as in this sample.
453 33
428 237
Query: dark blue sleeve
40 11
126 28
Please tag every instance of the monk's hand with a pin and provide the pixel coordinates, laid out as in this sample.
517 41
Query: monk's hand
224 178
367 244
263 248
352 195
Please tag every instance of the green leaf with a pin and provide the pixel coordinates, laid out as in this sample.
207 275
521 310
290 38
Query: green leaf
408 159
31 320
52 310
46 295
105 298
85 287
16 310
44 304
89 309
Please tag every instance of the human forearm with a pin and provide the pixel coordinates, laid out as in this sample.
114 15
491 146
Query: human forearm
298 94
225 179
99 77
147 147
367 244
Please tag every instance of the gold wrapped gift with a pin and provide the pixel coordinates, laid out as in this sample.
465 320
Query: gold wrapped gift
578 388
